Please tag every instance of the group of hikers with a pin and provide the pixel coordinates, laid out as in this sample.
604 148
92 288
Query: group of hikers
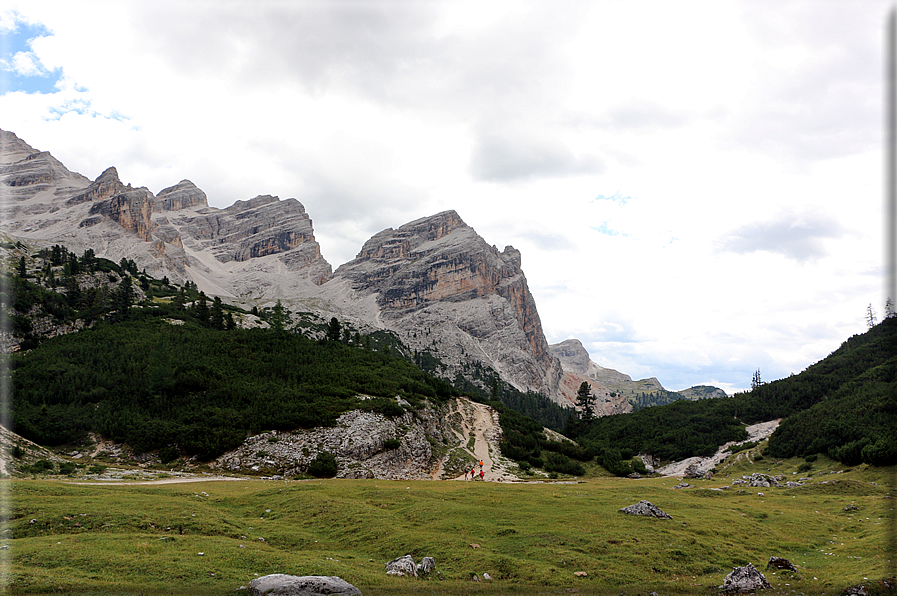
473 472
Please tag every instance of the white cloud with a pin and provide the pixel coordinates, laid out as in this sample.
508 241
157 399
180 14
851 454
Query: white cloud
745 137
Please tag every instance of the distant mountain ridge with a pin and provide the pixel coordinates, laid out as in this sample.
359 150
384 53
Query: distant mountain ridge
434 282
616 392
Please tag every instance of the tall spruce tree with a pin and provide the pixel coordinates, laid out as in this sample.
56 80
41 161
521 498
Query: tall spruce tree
584 400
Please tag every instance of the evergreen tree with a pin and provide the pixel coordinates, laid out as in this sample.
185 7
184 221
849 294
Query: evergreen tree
584 400
123 298
755 380
333 330
201 309
870 316
23 273
217 313
279 317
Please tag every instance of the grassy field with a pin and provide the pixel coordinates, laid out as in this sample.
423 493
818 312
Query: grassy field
531 537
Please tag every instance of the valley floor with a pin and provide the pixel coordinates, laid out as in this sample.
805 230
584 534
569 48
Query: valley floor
530 538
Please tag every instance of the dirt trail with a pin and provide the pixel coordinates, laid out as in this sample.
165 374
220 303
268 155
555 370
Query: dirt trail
481 421
756 432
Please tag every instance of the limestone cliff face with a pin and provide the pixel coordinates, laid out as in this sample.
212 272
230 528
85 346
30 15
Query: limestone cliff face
182 195
107 185
132 210
443 288
245 249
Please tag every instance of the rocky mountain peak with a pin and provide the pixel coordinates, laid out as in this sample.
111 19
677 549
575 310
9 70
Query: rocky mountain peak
182 195
573 356
437 273
105 186
12 148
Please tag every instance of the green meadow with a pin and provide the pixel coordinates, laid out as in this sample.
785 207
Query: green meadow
532 538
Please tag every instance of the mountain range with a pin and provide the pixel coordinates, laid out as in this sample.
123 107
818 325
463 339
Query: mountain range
434 282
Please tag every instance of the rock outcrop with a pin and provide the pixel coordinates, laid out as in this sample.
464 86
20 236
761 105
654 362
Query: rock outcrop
646 509
745 579
402 566
444 290
279 584
364 445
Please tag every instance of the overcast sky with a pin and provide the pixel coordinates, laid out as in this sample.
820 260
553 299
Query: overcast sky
695 187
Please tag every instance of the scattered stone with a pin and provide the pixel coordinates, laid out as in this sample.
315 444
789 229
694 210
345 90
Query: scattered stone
763 480
692 471
780 563
580 574
858 590
646 508
474 545
683 485
745 579
851 507
487 577
426 566
635 476
475 577
791 484
280 584
402 566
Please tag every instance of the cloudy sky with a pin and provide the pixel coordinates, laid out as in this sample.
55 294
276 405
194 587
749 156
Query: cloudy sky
695 187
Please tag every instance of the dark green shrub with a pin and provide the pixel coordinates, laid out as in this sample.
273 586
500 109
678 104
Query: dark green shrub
168 454
39 467
811 458
561 464
66 468
391 444
17 451
96 469
323 466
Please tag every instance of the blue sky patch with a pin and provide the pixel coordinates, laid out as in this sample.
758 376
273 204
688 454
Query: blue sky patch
604 229
20 68
616 198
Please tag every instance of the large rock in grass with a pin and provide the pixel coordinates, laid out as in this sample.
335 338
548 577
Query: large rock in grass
647 509
279 584
745 579
402 566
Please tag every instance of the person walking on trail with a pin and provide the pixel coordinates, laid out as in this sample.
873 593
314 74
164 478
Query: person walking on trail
482 474
481 465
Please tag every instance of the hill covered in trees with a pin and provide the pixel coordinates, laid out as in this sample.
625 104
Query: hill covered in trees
844 406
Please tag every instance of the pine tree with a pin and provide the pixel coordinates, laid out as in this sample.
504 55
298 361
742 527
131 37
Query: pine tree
333 330
280 317
870 316
201 309
755 381
217 314
584 400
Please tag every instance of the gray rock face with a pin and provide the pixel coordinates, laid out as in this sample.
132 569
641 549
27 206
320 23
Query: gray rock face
177 233
182 195
426 566
279 584
357 441
437 282
402 566
645 508
745 579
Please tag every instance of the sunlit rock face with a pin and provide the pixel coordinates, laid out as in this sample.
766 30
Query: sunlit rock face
248 248
445 290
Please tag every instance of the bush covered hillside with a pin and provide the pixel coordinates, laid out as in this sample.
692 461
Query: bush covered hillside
844 406
152 384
